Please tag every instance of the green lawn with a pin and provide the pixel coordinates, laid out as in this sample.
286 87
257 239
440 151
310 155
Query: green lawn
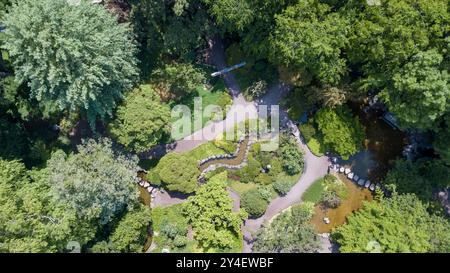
314 192
205 150
240 187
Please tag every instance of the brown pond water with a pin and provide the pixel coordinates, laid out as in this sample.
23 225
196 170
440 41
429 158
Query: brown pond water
229 161
383 144
338 216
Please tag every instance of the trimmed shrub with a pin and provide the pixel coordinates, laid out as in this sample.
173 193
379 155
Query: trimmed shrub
177 172
253 203
264 179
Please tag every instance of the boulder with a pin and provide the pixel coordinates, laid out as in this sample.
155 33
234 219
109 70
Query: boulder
367 184
361 182
341 169
350 176
355 178
372 187
347 171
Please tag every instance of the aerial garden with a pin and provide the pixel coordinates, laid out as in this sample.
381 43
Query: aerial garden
89 161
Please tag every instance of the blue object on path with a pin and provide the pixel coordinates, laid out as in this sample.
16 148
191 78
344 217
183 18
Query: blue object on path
228 69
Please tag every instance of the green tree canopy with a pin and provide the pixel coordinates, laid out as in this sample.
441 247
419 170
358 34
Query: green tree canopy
289 232
421 177
397 224
292 155
142 120
177 172
211 215
384 36
74 57
309 37
254 203
131 232
422 83
30 219
232 15
340 131
177 80
96 182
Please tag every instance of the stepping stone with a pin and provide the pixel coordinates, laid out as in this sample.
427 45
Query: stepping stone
367 184
347 171
141 183
146 185
355 178
372 187
361 182
341 170
149 189
350 176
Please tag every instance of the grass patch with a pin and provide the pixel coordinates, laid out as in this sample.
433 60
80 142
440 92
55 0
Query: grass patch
217 94
203 151
240 188
5 55
314 192
315 147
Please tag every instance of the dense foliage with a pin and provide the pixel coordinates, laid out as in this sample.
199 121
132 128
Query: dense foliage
340 131
211 215
289 232
73 57
421 177
177 172
31 220
175 81
66 65
422 82
142 120
254 203
397 224
96 182
291 155
309 38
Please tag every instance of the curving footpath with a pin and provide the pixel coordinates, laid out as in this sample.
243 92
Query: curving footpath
315 167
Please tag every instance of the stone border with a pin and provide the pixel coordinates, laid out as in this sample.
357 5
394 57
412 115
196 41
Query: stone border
201 177
372 186
224 156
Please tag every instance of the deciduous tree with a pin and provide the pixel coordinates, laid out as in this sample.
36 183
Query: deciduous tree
211 215
142 120
96 182
74 57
